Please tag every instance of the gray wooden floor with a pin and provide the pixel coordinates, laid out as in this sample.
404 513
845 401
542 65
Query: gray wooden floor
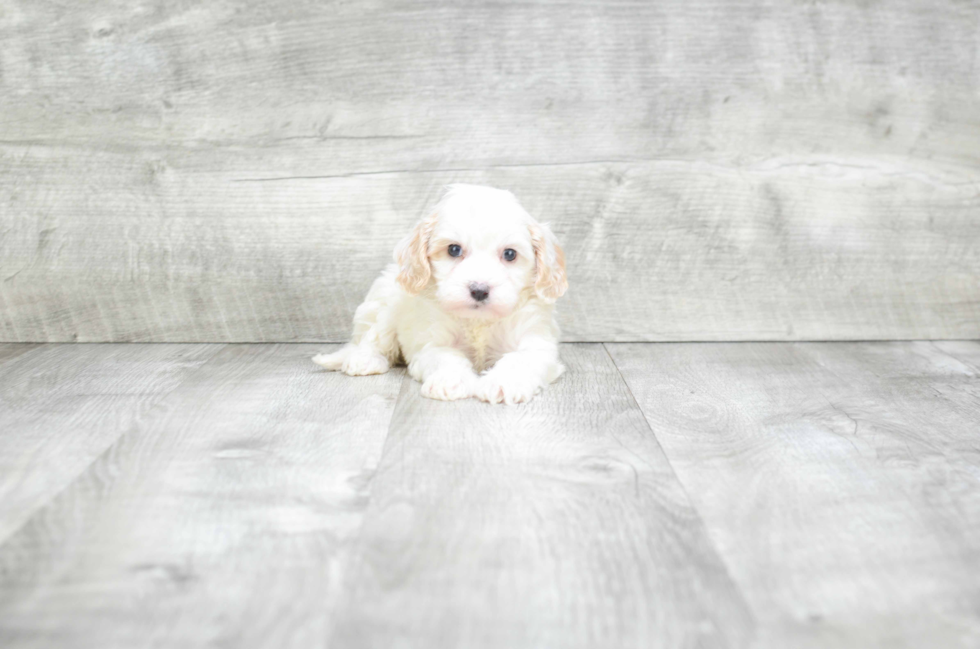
659 495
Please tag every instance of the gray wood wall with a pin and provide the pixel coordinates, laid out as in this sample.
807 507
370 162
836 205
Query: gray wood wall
239 171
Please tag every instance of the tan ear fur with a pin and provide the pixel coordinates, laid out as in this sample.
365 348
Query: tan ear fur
412 255
549 262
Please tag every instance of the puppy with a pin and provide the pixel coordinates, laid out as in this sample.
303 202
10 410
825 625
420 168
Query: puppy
468 305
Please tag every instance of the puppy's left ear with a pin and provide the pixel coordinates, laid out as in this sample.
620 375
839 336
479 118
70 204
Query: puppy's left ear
550 282
412 255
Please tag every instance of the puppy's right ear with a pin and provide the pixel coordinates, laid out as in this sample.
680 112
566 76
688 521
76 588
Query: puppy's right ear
412 255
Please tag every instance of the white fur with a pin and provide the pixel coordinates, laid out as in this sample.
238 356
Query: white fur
421 310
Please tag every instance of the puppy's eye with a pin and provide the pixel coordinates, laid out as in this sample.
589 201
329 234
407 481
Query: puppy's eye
455 250
510 254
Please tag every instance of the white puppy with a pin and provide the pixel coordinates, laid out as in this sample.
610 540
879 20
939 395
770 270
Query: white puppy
468 305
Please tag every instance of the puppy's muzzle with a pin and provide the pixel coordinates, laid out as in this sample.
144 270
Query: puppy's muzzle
479 292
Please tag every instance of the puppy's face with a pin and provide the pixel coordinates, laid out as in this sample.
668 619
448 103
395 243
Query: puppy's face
484 254
481 261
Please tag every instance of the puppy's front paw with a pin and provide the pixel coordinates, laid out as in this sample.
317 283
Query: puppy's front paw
505 387
449 385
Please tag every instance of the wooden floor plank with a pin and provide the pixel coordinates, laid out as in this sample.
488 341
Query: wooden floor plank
839 481
62 406
220 521
554 524
9 351
965 351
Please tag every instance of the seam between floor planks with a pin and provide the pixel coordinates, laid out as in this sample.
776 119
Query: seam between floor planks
448 472
889 406
152 402
135 468
710 539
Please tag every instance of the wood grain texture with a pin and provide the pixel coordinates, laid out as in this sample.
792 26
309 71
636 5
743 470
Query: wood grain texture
652 253
718 170
967 352
556 524
839 481
220 521
9 351
62 406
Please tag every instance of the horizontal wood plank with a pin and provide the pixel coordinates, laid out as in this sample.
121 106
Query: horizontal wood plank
839 481
718 170
656 250
406 84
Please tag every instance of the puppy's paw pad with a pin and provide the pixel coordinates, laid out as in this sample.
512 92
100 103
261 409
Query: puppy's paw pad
364 363
448 387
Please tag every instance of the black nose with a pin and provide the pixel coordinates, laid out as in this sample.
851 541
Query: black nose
479 291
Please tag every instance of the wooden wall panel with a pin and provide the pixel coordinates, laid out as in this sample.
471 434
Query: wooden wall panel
717 170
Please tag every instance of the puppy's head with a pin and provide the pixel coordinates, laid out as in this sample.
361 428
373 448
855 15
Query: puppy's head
483 253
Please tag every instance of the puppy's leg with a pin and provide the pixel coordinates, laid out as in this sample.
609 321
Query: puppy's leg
355 360
374 344
518 375
445 373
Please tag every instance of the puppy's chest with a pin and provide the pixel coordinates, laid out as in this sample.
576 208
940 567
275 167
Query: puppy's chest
481 342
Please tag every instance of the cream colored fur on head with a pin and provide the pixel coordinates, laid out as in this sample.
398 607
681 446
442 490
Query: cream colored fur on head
468 303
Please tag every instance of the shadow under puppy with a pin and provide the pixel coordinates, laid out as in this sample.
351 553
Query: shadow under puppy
469 305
